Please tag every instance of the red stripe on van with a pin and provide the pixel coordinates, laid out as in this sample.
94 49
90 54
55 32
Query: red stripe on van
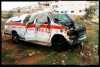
33 25
46 26
15 23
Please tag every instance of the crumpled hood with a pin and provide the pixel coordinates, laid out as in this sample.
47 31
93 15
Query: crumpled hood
78 31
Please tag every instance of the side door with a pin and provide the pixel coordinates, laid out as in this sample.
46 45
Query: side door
17 26
42 28
30 28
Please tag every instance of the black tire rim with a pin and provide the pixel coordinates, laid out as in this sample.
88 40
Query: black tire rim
58 42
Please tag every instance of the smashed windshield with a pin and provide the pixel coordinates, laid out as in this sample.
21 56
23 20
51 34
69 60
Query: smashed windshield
62 19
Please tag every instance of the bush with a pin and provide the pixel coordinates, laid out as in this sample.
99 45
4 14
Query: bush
3 23
79 20
10 14
90 12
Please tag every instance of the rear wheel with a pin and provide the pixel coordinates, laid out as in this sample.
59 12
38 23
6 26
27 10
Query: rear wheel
58 42
15 37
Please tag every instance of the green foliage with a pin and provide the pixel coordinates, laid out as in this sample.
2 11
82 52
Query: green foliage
3 23
50 58
10 14
6 57
67 57
79 20
92 37
5 16
90 12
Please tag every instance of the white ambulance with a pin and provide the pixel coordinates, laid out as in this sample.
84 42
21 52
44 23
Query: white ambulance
46 28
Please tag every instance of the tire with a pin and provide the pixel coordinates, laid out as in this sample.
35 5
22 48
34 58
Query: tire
58 43
15 38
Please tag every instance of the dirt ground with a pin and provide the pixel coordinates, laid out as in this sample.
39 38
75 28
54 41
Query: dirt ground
28 53
21 55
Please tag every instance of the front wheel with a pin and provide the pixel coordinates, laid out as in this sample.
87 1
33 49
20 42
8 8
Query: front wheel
58 43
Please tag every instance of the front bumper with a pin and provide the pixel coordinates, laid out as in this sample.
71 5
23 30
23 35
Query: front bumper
82 37
77 41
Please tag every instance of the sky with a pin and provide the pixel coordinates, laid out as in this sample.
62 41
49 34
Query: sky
6 5
10 5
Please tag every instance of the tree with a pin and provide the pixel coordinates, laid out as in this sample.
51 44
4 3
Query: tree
9 14
90 12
